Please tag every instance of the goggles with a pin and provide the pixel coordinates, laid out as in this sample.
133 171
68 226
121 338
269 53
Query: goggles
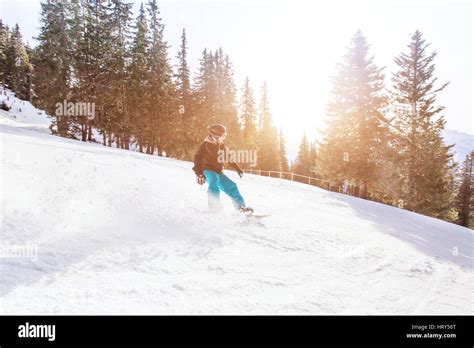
219 137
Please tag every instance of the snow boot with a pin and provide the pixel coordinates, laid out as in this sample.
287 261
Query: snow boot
246 210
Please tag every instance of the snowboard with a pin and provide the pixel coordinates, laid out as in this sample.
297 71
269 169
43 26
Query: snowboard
254 219
257 216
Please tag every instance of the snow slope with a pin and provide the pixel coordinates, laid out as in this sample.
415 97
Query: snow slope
22 113
115 232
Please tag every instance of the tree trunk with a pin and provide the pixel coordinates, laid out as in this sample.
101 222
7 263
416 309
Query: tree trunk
125 141
150 149
110 140
84 132
363 190
89 132
63 128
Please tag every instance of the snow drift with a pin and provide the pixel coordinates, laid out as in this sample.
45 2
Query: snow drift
94 230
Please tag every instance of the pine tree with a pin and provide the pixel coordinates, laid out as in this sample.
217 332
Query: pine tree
118 22
204 100
9 58
183 77
225 110
357 128
218 66
313 156
138 87
90 36
27 71
303 163
52 63
186 116
424 161
214 97
105 72
282 152
164 104
205 91
4 43
228 100
268 157
248 116
18 69
464 202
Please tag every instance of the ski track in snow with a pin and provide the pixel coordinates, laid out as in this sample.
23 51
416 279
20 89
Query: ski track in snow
126 233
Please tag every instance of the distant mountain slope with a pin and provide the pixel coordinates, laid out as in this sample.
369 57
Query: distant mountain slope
464 143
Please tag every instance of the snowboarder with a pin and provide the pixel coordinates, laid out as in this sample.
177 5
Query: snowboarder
209 167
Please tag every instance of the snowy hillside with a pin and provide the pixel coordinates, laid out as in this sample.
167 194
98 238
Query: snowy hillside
113 232
22 113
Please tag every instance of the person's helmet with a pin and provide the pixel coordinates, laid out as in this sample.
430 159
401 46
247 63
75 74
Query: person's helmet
217 130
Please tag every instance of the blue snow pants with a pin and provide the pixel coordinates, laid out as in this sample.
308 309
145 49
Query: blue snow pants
221 182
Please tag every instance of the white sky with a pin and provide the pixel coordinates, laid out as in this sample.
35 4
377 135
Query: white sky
294 45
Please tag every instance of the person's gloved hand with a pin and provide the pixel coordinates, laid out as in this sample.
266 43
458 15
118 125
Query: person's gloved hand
241 173
201 179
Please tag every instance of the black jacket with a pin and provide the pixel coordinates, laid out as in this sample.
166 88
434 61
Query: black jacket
207 157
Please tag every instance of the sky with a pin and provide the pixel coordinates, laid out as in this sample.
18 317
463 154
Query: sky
294 45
